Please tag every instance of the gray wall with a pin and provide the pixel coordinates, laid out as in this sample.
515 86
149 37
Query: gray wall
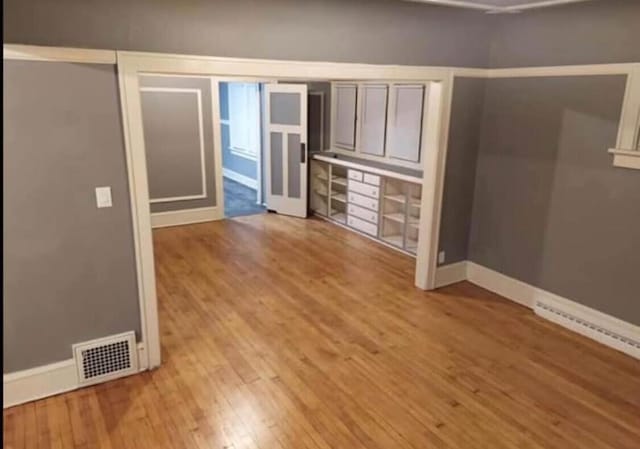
238 164
549 208
462 153
69 268
170 119
595 32
371 31
325 87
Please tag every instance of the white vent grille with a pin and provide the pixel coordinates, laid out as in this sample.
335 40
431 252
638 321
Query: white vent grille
606 336
106 358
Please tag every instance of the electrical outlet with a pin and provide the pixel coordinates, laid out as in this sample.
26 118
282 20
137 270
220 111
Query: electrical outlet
103 197
441 257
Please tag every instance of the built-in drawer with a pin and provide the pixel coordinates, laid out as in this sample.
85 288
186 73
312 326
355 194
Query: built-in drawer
363 213
355 175
364 189
362 225
364 201
372 179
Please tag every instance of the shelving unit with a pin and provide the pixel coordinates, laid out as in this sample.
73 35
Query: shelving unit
339 181
382 207
400 214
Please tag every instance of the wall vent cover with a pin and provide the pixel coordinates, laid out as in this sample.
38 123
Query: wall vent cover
606 335
106 358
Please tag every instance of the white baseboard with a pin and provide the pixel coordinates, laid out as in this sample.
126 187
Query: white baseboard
450 274
183 217
242 179
39 382
513 289
591 323
47 380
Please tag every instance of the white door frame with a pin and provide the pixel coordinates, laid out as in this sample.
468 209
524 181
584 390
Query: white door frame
131 64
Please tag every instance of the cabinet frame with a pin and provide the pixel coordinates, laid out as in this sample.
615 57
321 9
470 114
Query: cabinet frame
391 102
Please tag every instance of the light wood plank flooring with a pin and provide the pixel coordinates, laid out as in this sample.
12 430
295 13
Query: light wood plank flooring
286 333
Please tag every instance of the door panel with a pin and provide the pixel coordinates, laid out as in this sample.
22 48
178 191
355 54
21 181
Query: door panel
293 168
276 163
286 158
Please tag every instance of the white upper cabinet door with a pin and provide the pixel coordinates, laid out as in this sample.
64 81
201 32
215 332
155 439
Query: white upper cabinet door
373 123
405 123
345 116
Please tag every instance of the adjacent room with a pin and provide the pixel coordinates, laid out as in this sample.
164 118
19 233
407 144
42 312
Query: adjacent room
323 224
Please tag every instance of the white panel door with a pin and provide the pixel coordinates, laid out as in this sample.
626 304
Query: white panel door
286 157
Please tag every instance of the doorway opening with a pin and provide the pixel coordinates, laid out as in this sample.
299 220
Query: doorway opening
242 149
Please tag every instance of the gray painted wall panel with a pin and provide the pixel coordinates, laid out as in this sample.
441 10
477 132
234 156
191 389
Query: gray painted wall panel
325 87
594 32
549 207
69 268
168 184
462 154
172 136
371 31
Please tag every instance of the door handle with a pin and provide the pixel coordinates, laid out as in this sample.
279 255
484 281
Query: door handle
303 153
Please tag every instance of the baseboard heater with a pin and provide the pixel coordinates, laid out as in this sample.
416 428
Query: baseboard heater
583 326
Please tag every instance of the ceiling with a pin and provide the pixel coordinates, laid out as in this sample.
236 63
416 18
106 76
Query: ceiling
500 6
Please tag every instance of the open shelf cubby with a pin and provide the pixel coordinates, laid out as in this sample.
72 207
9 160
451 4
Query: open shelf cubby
320 188
400 214
338 198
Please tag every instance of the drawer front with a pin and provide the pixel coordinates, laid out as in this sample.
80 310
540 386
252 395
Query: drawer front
361 212
374 180
364 201
364 189
355 175
362 225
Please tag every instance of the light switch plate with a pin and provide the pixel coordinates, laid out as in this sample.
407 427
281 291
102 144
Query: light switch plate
103 197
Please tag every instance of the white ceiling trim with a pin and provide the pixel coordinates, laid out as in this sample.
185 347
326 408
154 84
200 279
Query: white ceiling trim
499 9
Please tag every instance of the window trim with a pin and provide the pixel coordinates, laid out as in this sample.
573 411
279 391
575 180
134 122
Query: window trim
626 153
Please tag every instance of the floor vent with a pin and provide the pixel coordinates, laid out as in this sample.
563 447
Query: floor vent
106 358
585 327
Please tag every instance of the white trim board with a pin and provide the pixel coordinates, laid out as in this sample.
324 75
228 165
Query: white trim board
239 178
451 273
496 9
58 54
184 217
47 380
626 159
601 327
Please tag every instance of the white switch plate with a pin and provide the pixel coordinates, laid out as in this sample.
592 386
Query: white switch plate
441 257
103 197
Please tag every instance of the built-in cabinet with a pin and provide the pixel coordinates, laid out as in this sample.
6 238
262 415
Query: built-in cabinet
381 206
379 121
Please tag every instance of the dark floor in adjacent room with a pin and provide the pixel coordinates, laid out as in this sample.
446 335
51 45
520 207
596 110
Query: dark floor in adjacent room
240 200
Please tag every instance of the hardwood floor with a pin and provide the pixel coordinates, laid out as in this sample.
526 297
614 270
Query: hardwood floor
286 333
